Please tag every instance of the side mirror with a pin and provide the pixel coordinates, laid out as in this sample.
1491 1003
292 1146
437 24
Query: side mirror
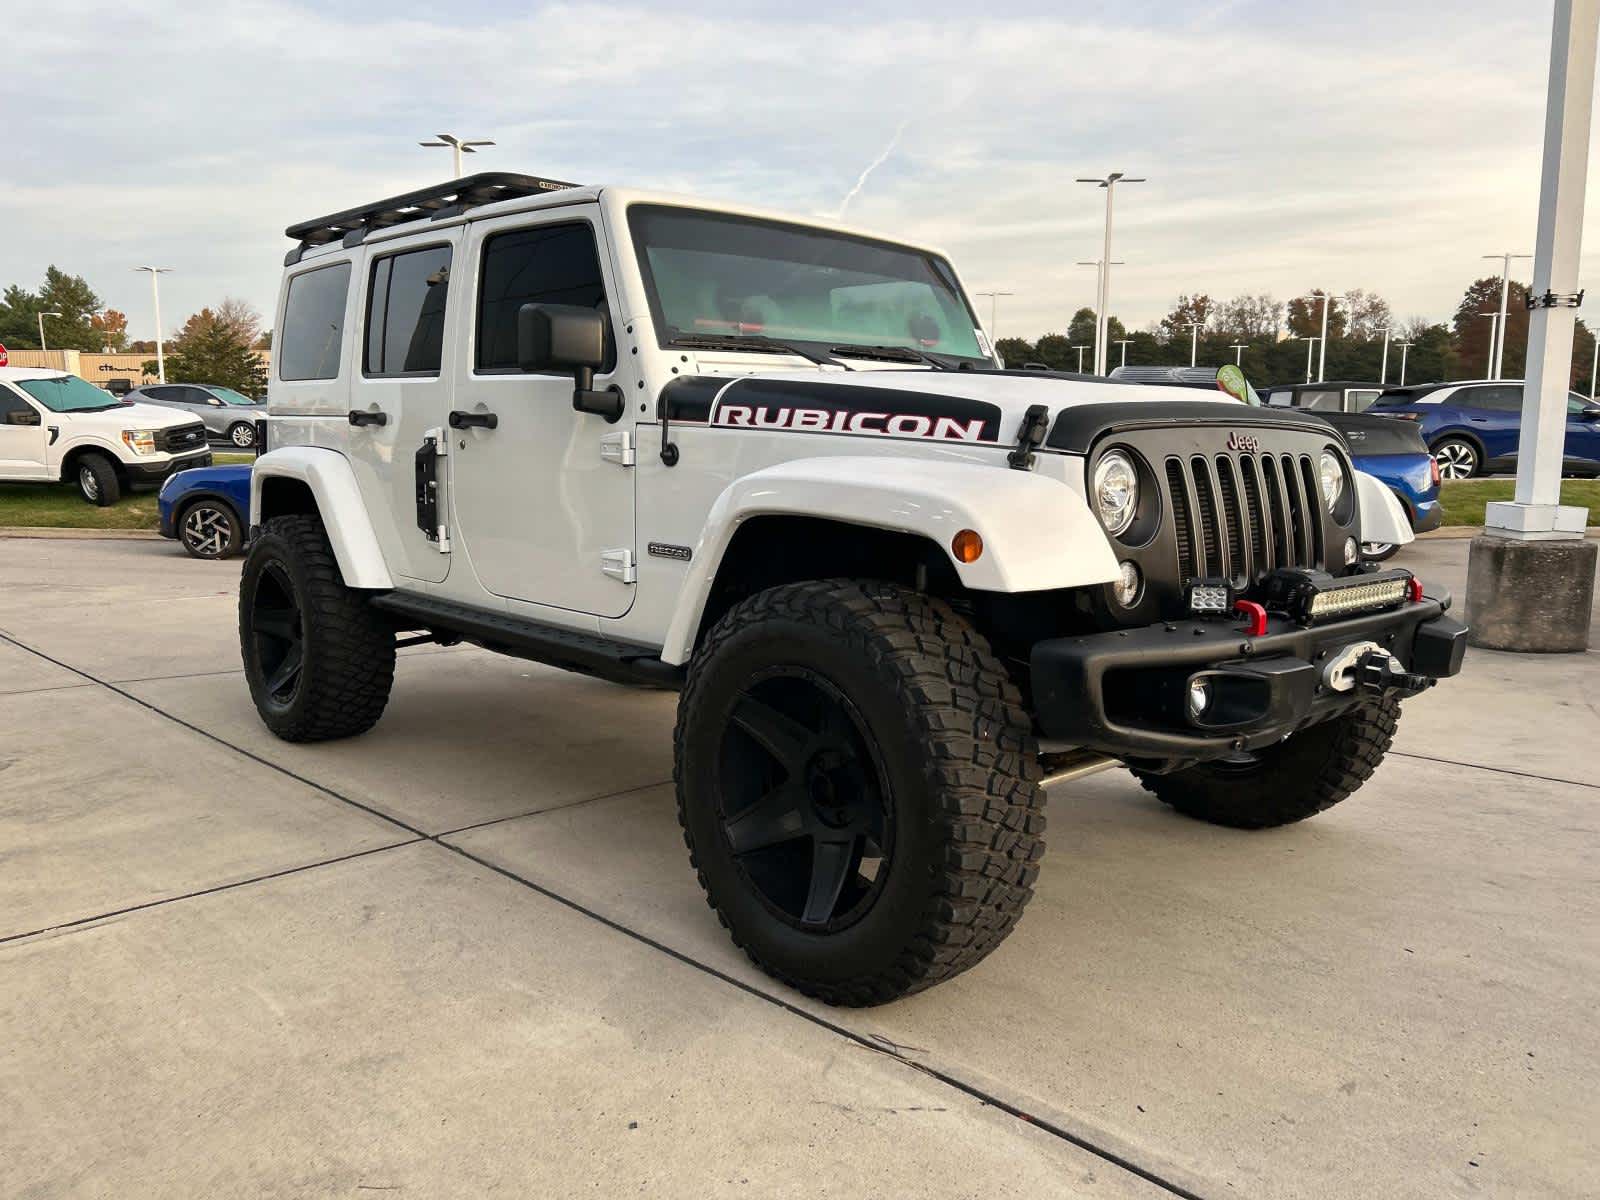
22 416
213 402
1592 413
568 337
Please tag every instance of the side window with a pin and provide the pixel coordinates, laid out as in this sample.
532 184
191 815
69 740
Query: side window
549 264
1322 399
313 324
1492 399
1577 404
405 312
164 392
1359 399
14 410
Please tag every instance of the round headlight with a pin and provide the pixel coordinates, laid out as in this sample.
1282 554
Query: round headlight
1332 472
1116 491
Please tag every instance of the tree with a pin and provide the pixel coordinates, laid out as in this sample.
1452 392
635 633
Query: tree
69 295
1248 318
1175 325
1304 316
112 326
1015 351
1473 332
1365 315
218 347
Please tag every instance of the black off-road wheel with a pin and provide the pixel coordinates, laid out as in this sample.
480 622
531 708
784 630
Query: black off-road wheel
1307 774
97 480
858 785
319 659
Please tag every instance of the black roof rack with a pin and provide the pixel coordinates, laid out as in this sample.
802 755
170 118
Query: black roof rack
441 200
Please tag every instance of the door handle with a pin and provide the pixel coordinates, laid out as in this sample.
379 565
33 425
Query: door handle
369 418
466 420
1479 420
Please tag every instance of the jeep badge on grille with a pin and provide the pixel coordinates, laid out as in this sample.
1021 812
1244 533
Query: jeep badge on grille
1243 442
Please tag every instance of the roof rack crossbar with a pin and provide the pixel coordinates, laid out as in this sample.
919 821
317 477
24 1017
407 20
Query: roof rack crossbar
456 195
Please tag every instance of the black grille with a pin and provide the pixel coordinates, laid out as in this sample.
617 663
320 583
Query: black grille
181 437
1238 516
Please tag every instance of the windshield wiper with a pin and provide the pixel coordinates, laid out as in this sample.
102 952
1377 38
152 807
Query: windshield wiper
893 354
712 341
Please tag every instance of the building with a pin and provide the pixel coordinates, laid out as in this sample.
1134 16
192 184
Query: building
114 372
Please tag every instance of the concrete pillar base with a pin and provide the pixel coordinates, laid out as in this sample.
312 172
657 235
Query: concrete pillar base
1530 595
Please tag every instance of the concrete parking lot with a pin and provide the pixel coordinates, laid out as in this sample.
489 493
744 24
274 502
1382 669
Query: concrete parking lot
465 955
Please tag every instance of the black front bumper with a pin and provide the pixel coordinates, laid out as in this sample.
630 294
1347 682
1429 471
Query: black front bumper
1123 693
155 472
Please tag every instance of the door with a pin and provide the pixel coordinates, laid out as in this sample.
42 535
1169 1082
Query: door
544 517
1583 434
1494 413
399 393
22 437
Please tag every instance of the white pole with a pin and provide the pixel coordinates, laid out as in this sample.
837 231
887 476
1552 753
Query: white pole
1238 349
1194 341
1405 348
1102 320
1555 279
44 348
1383 371
1124 344
1311 343
1080 350
1322 354
155 296
1594 369
1497 357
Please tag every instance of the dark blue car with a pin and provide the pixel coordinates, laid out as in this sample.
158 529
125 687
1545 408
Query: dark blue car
1473 428
207 509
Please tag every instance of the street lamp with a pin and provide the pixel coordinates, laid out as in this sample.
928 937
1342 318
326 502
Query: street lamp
1494 326
1099 283
1194 328
1383 371
1238 349
1497 353
457 147
1080 350
1404 346
1123 342
155 296
994 324
1100 327
1322 355
1311 343
42 316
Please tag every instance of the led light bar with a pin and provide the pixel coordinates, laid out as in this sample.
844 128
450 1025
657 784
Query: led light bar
1210 597
1362 598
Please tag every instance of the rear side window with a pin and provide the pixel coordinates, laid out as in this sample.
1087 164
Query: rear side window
549 264
313 324
405 312
1494 399
1322 399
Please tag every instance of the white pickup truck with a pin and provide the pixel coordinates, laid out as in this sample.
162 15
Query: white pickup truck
58 428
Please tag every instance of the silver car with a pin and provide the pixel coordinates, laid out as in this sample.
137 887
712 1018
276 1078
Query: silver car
229 416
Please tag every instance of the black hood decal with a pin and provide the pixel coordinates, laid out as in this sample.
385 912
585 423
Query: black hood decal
816 406
1077 428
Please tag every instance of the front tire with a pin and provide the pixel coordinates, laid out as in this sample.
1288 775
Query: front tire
1379 551
319 659
242 434
858 786
1307 774
97 481
209 529
1457 458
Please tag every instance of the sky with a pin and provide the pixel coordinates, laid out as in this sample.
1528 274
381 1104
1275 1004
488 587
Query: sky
1287 146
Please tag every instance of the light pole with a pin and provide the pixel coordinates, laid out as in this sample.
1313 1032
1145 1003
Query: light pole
457 146
1099 283
1194 328
1383 371
1404 346
994 323
1080 350
1494 324
1104 300
155 296
42 316
1322 355
1311 344
1238 349
1594 370
1497 355
1123 342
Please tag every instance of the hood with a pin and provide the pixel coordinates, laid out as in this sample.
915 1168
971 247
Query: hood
967 406
148 416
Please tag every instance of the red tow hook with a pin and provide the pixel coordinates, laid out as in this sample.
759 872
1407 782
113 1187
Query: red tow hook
1414 590
1255 617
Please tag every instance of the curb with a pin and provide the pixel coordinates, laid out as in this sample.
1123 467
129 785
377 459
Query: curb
1469 531
70 534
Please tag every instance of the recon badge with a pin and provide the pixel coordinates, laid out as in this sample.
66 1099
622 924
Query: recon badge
663 550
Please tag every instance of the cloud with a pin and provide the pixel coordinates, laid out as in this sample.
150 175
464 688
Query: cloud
1367 145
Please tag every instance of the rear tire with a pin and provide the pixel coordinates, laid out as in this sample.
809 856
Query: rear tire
1457 458
870 757
318 657
97 481
1310 773
242 434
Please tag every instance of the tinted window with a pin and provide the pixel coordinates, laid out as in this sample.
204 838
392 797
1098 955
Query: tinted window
68 393
1322 398
14 410
313 324
1493 399
551 264
163 392
405 312
1360 399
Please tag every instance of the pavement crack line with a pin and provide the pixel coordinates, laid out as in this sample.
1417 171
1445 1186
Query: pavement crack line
1084 1141
1456 762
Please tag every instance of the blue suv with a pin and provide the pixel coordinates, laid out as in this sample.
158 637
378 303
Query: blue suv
1473 428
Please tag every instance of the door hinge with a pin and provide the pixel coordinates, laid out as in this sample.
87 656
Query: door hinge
430 509
618 448
619 565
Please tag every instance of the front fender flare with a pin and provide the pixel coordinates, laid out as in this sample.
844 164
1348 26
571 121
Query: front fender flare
338 498
1038 534
1383 517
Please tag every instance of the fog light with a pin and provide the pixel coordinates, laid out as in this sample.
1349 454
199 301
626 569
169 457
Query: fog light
1210 597
1351 551
1199 696
1129 581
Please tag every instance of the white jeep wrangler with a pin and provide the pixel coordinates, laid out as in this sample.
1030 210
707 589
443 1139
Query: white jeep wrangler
58 428
776 464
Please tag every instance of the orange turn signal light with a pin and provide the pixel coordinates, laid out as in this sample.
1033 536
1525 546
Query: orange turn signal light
967 546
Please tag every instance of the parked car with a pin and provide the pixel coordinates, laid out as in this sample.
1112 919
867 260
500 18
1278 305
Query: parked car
1474 427
57 428
205 509
775 463
1388 448
228 416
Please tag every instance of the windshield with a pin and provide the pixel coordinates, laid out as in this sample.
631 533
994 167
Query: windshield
231 396
68 393
711 275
